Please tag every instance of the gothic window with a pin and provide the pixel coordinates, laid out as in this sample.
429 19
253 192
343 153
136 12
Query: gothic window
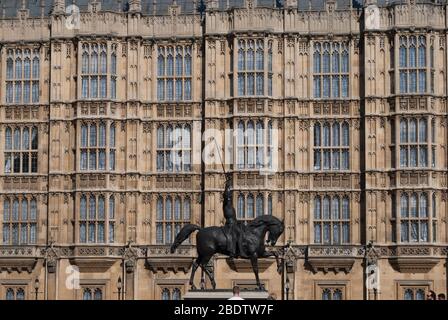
21 149
174 73
96 221
415 217
251 71
413 293
413 64
14 293
331 220
22 76
170 293
331 70
331 146
172 213
332 293
250 206
95 71
92 293
174 148
414 143
19 221
254 145
98 147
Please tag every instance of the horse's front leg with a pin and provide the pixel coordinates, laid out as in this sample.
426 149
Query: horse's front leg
275 254
254 262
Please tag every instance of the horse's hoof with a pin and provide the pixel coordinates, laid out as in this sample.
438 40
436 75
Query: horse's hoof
193 287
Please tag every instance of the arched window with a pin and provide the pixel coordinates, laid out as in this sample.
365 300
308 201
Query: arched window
240 207
18 73
330 68
98 295
420 294
260 205
111 219
10 69
100 219
94 69
326 294
251 68
414 218
166 294
87 294
27 68
250 206
103 61
187 209
240 145
20 222
331 220
412 64
414 142
95 146
94 216
10 294
85 62
170 217
176 294
177 209
270 205
408 295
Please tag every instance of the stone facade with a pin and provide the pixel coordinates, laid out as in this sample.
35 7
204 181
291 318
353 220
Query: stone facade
126 257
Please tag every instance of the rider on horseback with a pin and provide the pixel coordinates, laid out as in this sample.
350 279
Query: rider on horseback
231 229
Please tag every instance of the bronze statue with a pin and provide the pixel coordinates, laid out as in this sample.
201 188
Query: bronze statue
231 227
234 239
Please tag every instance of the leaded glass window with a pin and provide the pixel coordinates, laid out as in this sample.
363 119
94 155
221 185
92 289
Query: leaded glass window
172 213
331 70
331 220
22 76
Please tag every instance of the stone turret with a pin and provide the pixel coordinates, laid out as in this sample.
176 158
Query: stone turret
58 6
135 6
291 4
94 6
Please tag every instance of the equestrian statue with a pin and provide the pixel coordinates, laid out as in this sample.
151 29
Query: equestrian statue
235 239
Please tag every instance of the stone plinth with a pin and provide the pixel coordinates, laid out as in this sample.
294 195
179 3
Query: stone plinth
224 294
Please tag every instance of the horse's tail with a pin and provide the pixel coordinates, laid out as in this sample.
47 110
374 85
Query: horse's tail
183 234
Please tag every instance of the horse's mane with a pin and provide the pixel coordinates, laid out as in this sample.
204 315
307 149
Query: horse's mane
259 221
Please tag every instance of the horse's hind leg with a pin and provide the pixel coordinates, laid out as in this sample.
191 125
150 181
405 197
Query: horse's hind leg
193 271
203 264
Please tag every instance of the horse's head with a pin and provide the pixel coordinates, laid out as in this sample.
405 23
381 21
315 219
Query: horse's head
275 228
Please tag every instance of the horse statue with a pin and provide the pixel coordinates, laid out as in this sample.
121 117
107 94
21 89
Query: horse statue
211 240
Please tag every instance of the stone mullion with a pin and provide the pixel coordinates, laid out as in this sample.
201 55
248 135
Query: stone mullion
428 64
396 67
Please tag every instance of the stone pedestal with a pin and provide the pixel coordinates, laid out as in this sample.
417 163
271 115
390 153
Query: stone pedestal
224 294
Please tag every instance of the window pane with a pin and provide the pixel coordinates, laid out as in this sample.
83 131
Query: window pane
317 135
240 207
404 206
168 209
423 156
187 209
250 206
413 206
317 233
414 231
404 232
326 208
